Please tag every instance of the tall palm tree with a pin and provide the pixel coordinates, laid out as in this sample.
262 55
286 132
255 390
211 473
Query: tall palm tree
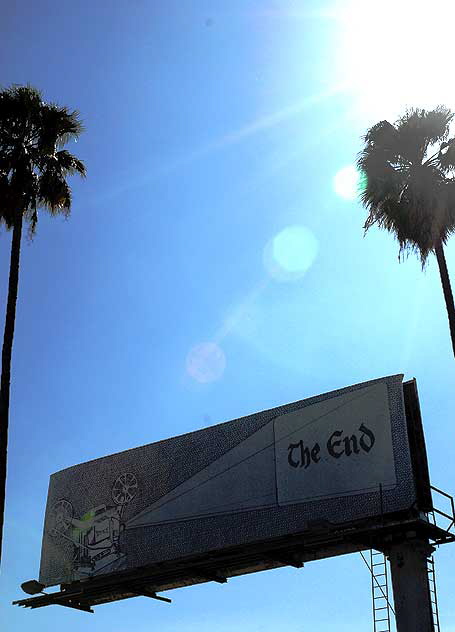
409 186
33 172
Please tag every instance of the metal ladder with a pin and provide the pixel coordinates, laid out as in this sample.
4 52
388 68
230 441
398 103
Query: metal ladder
379 591
432 581
433 593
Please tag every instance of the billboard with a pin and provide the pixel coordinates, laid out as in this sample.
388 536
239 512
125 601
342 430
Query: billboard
338 457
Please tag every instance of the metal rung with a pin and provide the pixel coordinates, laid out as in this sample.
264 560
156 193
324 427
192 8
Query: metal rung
379 591
431 571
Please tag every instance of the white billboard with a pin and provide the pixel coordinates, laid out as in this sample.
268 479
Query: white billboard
336 447
338 457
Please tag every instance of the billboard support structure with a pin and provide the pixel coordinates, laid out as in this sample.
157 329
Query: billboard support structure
411 592
409 559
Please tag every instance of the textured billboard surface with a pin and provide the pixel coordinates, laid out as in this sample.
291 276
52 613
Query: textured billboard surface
339 457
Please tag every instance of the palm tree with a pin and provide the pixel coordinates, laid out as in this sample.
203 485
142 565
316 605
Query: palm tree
408 186
33 172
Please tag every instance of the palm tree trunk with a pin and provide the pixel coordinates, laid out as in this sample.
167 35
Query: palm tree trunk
5 379
444 273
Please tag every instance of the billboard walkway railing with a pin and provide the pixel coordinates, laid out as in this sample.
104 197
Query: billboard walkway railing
443 514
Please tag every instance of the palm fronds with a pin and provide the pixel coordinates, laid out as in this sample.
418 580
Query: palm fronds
33 165
409 184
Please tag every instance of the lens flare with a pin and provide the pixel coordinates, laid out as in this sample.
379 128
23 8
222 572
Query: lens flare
290 254
349 182
206 362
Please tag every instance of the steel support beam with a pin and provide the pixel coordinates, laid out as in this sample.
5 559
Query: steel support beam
411 593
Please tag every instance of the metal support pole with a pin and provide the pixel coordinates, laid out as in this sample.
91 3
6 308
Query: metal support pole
411 593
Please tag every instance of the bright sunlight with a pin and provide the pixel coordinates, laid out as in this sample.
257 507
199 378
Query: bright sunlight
347 182
395 54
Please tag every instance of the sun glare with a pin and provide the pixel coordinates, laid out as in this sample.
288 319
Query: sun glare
290 253
206 362
347 182
394 54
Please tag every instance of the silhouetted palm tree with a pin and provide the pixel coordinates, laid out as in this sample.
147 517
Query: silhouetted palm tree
33 172
409 186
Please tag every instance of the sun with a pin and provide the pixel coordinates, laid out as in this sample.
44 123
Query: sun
395 54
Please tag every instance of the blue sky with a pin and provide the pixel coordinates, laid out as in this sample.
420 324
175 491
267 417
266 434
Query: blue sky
168 302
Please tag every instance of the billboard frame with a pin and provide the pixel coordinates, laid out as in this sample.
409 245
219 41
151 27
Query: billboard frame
319 540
